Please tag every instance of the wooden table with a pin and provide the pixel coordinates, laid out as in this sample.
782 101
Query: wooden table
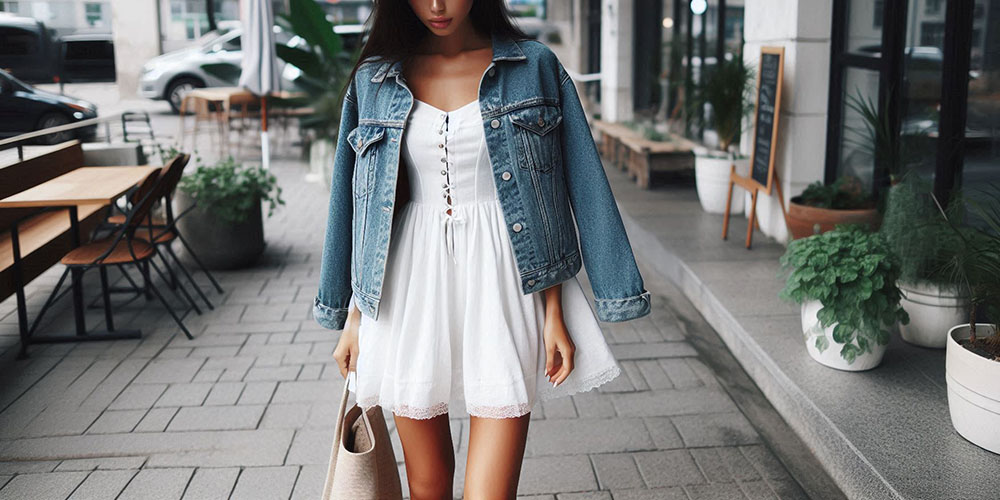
82 186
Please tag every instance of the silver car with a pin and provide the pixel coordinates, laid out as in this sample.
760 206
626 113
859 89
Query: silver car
170 75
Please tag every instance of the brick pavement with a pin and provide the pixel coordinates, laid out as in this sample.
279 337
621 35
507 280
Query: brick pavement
246 409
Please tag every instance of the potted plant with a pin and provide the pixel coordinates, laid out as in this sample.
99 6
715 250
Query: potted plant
924 243
323 67
972 365
845 280
727 90
225 226
821 207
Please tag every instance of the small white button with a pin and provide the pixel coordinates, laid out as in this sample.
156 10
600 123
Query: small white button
492 71
495 123
440 131
444 172
444 184
531 282
505 176
443 160
517 227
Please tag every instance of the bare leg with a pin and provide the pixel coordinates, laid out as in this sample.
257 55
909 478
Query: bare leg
496 448
429 456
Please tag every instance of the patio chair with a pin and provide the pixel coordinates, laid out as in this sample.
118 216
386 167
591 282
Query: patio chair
124 247
165 232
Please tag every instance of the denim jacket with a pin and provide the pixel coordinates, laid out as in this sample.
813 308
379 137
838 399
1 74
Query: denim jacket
546 169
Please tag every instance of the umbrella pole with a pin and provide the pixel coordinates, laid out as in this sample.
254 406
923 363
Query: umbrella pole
265 144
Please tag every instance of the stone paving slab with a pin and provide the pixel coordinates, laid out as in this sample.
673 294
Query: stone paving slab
246 409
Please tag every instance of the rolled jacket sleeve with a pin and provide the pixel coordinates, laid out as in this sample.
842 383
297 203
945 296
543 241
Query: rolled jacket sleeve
607 254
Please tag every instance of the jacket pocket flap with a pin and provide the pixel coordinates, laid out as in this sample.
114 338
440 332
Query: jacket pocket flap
363 136
538 119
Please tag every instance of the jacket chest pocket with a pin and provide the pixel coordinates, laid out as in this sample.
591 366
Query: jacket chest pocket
537 137
365 140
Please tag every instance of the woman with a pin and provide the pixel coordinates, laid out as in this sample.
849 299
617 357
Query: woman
483 130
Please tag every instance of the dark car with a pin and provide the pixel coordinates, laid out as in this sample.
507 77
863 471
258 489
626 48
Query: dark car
24 109
87 57
27 48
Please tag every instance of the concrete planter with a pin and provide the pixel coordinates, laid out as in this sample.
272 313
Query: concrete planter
831 355
932 312
219 244
711 175
321 157
804 220
973 390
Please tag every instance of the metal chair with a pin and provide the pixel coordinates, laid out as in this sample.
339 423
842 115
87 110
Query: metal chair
124 247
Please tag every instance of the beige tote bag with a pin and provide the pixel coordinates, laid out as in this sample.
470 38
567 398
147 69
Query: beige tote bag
362 462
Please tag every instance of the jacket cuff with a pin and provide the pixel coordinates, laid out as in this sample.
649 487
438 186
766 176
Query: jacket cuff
329 317
614 310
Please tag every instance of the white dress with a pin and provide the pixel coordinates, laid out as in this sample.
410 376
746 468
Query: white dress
455 333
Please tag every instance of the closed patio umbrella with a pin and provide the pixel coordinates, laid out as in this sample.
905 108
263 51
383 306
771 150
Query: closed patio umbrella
260 64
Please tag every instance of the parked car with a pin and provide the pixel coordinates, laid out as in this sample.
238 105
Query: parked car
27 48
169 76
24 109
87 57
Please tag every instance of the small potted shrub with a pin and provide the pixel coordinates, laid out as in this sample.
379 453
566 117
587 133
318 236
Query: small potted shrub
924 244
225 227
845 280
972 365
727 90
821 207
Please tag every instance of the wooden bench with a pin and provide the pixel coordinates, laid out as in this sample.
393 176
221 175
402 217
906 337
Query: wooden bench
43 237
628 150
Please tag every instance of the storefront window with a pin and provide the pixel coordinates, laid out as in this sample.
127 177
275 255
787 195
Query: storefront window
864 26
982 130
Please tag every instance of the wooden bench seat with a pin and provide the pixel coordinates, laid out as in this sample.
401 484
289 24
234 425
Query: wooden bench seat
44 237
628 150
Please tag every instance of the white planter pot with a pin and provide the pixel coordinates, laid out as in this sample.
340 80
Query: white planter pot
831 355
932 312
711 177
973 390
321 157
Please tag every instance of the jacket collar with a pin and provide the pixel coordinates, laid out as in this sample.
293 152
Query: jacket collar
504 49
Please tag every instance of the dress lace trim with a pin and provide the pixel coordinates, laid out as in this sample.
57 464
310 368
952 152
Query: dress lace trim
506 411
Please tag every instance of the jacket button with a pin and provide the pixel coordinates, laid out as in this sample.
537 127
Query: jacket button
541 121
495 123
517 227
506 176
531 282
492 71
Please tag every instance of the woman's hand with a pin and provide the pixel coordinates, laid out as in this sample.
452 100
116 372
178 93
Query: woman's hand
346 352
559 346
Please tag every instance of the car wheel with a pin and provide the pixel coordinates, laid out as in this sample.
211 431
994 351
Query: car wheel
177 89
50 120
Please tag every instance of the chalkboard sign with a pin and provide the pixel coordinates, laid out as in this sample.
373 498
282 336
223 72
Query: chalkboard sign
765 133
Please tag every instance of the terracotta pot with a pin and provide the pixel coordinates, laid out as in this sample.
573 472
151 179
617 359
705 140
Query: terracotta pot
804 220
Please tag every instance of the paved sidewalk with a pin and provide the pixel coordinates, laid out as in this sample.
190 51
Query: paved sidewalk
246 409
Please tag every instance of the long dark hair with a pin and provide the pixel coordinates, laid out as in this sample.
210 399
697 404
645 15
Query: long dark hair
395 32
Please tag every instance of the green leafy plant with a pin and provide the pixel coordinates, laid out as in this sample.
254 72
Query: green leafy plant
231 190
846 193
728 89
918 235
976 266
852 273
322 61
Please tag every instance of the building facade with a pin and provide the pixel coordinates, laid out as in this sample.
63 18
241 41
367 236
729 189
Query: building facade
933 66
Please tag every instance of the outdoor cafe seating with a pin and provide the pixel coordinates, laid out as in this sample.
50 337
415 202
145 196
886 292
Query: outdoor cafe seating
53 211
